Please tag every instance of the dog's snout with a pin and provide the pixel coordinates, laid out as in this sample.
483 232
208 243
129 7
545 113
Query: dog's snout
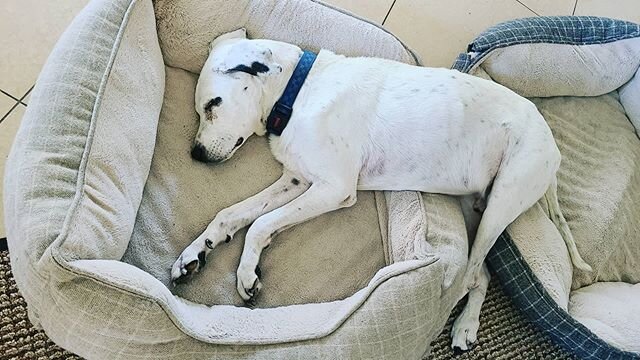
240 141
199 152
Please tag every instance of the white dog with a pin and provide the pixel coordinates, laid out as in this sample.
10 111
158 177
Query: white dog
369 124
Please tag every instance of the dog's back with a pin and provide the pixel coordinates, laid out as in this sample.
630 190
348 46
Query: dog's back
435 129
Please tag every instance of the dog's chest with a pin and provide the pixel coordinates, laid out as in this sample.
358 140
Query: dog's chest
287 152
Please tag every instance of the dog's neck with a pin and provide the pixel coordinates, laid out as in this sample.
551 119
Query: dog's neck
275 84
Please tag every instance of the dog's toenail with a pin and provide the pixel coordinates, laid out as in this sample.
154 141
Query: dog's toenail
227 239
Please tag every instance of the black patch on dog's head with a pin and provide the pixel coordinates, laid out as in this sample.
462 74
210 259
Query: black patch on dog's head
256 67
213 102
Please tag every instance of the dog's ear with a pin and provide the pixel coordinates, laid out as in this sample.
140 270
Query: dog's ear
262 62
265 62
236 34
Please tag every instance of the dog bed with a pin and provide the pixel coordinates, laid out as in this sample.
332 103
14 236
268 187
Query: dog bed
101 196
581 72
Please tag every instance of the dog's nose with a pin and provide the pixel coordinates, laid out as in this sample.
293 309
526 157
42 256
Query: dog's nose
199 152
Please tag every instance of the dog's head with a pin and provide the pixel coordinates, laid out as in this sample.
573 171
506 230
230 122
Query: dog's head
230 95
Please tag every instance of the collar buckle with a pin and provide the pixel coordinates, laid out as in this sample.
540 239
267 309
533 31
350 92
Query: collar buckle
278 118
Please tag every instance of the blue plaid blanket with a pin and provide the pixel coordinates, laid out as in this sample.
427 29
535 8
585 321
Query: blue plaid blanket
571 30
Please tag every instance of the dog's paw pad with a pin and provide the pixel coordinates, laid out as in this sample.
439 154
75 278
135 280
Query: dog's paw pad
184 268
190 267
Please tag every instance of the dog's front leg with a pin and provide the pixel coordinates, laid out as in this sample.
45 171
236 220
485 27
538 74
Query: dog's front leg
319 199
233 218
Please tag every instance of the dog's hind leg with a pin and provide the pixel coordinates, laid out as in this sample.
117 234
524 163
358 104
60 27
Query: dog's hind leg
523 178
465 329
558 219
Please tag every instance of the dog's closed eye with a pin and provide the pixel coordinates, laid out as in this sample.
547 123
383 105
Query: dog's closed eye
213 102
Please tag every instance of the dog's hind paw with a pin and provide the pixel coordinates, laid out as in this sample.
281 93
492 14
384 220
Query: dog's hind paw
464 332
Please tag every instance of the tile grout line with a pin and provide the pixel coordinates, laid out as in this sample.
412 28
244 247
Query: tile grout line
530 9
575 5
18 102
388 12
9 95
9 112
27 93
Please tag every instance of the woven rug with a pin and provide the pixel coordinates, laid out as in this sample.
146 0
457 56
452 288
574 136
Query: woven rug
503 334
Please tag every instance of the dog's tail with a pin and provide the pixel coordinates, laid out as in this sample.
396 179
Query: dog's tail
561 223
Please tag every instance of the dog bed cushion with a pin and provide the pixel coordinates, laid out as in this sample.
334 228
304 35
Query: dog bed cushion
581 74
101 196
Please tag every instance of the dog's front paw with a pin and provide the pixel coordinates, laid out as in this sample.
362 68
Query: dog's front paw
189 262
248 284
464 333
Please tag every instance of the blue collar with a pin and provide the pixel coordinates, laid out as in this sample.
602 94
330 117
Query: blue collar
281 112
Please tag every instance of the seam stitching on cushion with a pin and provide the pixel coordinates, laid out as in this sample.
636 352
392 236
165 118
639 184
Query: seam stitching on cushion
80 182
383 224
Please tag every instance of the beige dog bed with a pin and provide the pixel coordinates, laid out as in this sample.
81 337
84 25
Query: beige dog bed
101 196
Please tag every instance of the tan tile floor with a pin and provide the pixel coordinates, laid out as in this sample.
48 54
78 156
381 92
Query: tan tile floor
438 30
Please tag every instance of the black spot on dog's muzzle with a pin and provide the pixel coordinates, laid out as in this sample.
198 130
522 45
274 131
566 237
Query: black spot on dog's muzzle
199 153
